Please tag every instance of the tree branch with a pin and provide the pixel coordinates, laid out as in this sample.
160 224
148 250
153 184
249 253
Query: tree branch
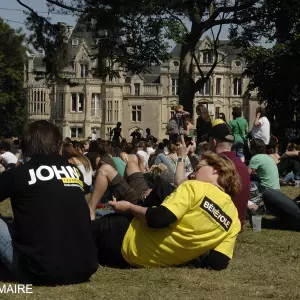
33 12
198 66
231 9
56 3
212 21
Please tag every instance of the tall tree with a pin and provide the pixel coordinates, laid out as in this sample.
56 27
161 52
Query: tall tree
131 33
275 71
12 101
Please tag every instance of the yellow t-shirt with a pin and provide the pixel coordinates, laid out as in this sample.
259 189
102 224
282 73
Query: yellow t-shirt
207 220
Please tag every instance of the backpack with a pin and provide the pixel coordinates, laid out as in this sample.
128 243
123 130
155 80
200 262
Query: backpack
255 196
172 127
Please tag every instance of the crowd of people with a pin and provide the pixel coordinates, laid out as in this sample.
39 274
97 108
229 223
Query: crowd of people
181 201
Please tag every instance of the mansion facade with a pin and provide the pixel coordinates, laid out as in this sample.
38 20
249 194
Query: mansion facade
137 101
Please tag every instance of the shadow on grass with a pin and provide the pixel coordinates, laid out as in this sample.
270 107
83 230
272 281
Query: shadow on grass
277 224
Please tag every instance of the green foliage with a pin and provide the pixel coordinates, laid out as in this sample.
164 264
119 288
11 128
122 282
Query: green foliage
131 34
12 101
274 72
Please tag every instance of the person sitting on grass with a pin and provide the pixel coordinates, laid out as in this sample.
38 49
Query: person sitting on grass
221 139
263 167
50 241
7 158
198 217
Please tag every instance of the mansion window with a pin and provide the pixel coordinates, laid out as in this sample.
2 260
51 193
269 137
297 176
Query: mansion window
174 86
109 111
96 105
137 89
218 86
108 130
172 112
84 69
77 102
136 113
75 42
237 86
37 102
217 112
76 132
207 57
116 111
206 91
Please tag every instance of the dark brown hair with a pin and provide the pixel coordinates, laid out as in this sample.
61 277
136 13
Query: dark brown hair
41 138
236 112
257 146
261 110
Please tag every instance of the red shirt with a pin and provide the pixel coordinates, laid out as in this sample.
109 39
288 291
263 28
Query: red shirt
240 200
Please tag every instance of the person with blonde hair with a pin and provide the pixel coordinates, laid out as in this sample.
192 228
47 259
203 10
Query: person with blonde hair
198 218
81 162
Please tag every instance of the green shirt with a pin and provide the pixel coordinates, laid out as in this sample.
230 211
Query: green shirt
238 137
120 165
266 169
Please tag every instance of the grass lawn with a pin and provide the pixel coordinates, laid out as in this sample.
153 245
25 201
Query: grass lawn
266 265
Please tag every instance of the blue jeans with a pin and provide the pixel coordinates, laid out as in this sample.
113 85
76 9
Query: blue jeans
282 207
238 148
8 255
170 176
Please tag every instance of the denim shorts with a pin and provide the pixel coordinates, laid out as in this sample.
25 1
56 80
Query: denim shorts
238 148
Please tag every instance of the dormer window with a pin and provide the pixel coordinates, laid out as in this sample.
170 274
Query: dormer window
84 70
207 57
75 42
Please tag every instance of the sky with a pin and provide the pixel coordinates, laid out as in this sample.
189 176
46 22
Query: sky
12 12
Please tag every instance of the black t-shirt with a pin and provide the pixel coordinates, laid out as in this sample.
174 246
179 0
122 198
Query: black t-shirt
203 128
52 226
117 132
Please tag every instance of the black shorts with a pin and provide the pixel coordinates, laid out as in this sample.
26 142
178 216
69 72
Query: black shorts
109 232
130 190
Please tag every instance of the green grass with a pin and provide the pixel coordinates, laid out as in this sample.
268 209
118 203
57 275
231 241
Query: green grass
266 265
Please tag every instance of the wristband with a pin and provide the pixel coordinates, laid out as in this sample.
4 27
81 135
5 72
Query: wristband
180 159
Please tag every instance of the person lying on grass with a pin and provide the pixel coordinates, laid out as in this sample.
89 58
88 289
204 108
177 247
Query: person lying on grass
198 218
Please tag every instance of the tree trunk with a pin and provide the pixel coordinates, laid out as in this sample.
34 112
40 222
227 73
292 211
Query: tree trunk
186 82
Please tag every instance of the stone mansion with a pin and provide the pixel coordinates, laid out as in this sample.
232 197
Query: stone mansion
138 101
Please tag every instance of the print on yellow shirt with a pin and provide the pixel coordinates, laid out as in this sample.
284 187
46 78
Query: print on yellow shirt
207 219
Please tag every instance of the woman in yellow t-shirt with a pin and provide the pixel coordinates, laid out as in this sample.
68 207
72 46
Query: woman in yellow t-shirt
197 221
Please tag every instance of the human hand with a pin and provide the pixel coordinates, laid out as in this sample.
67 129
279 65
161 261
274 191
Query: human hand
92 215
193 146
120 206
253 207
181 151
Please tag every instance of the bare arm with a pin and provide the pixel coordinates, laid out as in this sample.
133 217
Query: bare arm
180 169
251 171
138 212
256 122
